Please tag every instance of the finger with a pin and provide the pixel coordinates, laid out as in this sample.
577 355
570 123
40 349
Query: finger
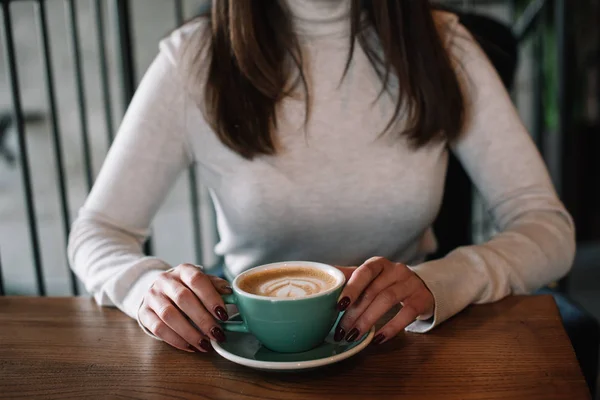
174 319
222 286
188 303
360 279
406 316
159 329
386 279
410 292
385 300
203 288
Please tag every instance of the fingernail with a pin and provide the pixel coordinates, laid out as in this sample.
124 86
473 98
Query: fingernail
352 335
379 338
205 345
339 334
218 334
228 288
344 303
192 348
221 313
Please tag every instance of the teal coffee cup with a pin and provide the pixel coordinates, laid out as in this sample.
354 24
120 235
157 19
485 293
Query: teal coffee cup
290 307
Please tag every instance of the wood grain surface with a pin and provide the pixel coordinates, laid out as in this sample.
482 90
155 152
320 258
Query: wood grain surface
69 348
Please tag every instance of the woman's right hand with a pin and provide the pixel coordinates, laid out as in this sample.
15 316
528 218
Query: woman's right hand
179 296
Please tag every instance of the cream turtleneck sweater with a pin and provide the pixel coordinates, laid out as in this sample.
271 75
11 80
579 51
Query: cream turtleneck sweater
336 193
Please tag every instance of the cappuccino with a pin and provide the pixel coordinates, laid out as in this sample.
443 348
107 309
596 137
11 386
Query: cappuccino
288 282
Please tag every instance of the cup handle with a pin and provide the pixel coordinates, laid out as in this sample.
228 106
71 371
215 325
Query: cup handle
233 326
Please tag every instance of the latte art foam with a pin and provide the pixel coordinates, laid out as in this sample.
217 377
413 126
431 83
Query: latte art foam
287 282
291 287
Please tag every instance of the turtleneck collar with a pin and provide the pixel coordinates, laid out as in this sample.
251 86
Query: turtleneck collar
319 17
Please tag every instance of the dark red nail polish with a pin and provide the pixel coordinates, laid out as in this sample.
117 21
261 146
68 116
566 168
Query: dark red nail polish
339 334
192 348
205 345
221 313
379 338
352 335
343 304
218 334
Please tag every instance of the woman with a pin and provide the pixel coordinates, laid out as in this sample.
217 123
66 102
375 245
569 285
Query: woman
322 128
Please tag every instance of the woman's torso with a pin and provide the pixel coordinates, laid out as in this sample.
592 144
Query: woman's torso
336 191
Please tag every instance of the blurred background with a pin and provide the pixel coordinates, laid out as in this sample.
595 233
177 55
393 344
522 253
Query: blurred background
73 65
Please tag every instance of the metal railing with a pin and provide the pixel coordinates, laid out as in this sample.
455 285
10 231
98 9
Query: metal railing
126 68
13 77
1 278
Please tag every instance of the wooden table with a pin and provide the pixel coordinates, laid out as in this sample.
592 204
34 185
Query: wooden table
66 348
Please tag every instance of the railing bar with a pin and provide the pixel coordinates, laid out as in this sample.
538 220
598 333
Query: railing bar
148 250
529 18
127 64
56 137
104 80
13 79
538 90
562 52
562 17
179 13
83 118
127 70
2 292
192 179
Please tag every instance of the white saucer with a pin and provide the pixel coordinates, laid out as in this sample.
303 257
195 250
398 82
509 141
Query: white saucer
245 349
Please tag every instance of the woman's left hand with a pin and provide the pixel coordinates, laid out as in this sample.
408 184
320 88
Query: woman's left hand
372 290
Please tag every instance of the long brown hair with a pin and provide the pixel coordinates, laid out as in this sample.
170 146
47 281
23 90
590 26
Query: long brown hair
251 44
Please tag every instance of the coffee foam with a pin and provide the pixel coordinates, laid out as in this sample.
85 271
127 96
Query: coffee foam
287 282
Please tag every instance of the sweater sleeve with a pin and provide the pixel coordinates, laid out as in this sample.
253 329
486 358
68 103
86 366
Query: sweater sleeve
149 152
535 244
